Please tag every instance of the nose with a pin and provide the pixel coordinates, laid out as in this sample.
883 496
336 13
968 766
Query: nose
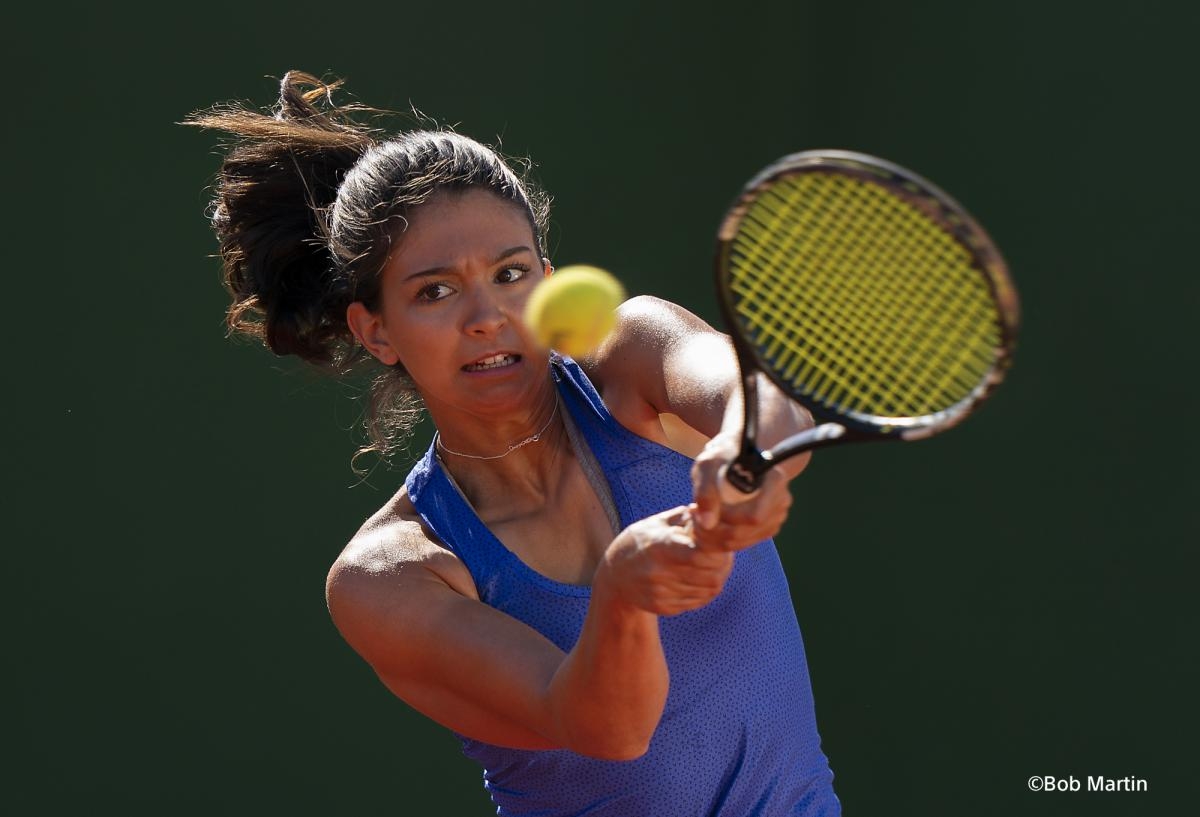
486 313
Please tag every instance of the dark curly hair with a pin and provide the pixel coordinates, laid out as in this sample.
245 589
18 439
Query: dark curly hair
307 204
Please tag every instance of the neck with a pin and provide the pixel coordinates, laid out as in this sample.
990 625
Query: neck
532 438
507 462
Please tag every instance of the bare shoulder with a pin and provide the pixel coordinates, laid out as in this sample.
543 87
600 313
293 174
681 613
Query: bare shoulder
660 363
392 558
645 327
648 322
648 331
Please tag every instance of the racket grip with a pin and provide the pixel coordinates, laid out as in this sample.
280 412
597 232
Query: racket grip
741 478
733 495
739 481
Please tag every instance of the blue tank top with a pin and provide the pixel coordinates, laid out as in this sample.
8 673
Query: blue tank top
738 737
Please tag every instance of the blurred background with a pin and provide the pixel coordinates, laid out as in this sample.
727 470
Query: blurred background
1012 599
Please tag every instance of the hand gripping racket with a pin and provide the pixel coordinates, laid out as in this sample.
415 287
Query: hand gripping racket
867 295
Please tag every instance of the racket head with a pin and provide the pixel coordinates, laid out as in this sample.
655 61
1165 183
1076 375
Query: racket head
866 293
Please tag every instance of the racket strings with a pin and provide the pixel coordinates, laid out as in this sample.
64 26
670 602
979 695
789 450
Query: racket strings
778 290
826 377
859 299
809 369
883 388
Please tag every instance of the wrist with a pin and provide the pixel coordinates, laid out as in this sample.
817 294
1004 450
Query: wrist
608 604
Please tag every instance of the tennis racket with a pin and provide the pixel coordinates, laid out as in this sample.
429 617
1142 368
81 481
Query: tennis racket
867 295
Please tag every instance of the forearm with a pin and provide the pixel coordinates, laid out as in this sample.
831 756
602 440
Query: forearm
608 694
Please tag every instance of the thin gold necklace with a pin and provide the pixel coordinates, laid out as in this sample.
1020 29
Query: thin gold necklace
437 440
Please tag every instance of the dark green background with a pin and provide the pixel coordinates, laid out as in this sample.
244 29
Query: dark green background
1014 598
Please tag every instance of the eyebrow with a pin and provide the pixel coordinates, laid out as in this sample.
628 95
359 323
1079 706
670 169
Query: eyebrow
434 271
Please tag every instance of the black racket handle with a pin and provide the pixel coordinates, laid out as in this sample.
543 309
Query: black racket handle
745 474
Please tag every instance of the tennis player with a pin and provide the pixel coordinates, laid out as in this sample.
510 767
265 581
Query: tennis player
557 581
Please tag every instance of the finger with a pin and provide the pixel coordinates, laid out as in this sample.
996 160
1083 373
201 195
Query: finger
698 580
708 560
726 538
682 598
772 500
687 600
676 517
681 607
679 545
696 568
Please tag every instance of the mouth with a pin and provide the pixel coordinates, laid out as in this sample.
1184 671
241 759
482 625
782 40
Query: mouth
497 361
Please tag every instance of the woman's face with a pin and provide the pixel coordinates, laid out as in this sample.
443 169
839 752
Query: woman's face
453 292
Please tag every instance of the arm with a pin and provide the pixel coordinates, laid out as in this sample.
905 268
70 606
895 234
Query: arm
667 358
412 613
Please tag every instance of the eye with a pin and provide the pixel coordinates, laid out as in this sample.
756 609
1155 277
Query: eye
433 292
511 274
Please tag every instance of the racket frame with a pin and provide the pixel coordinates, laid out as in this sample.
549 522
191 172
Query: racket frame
746 471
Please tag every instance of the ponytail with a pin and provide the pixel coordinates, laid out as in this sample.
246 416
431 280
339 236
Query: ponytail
270 212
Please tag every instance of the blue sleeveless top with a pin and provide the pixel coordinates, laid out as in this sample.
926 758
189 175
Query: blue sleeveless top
738 737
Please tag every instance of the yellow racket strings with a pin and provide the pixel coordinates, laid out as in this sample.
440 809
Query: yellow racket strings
859 299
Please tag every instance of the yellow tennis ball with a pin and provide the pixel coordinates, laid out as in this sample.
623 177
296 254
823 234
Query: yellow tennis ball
574 309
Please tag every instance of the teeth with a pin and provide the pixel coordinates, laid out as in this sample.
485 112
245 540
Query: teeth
493 362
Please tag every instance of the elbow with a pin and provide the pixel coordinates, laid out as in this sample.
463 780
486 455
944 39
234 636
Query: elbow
630 752
615 750
611 744
604 738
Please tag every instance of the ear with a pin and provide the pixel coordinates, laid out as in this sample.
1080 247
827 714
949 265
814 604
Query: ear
548 268
368 328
